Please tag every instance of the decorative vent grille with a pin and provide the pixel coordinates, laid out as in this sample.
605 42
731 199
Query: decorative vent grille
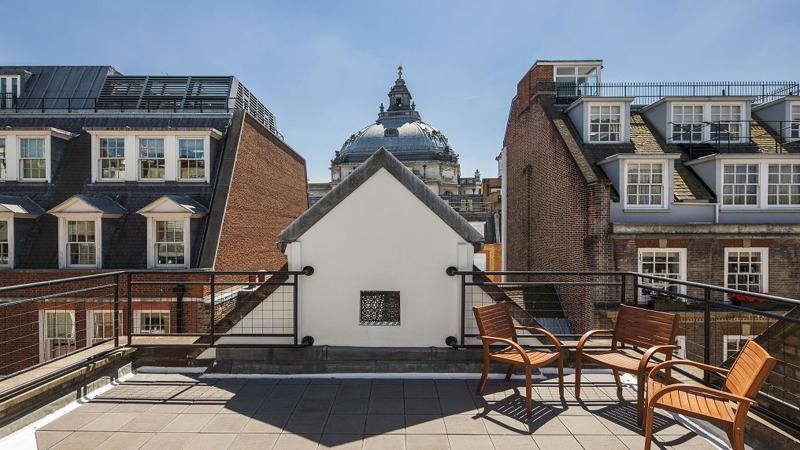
380 307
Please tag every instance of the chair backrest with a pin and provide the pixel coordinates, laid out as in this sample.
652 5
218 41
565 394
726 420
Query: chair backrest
495 320
644 327
749 370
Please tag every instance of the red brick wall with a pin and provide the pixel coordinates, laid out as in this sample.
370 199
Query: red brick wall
556 220
267 193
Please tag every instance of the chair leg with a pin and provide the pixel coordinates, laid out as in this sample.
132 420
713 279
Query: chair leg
736 436
509 372
616 379
640 406
577 375
484 376
561 376
648 428
528 391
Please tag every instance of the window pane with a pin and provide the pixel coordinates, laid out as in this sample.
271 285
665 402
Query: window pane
645 184
151 159
191 157
81 243
169 243
4 244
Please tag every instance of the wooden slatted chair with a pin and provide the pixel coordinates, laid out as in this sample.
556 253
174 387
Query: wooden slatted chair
495 325
726 407
653 331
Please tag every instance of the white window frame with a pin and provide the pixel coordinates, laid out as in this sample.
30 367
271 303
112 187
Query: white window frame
733 337
666 177
137 323
574 75
764 265
792 165
9 219
45 347
793 130
100 159
205 159
90 322
4 159
63 254
623 121
705 136
759 189
152 257
681 266
140 159
738 123
45 156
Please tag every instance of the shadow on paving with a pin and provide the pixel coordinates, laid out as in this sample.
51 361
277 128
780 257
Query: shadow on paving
171 410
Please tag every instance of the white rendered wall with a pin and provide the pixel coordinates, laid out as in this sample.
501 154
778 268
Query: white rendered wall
381 237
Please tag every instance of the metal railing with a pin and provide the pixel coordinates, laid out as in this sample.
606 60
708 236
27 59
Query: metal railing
83 318
733 136
715 321
11 102
645 93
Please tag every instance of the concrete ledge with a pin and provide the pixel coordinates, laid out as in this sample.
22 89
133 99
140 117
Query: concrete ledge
33 404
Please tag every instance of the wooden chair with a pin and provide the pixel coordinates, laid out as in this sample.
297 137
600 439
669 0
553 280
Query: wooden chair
726 407
495 325
637 327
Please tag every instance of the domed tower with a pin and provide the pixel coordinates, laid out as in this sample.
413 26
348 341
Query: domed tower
401 130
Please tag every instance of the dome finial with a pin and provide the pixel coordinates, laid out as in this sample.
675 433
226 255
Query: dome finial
400 72
381 108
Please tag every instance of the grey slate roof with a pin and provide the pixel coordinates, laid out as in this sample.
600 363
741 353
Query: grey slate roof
103 203
21 205
381 159
81 84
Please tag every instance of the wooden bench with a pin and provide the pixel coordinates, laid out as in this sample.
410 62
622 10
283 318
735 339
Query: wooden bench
726 407
652 331
495 325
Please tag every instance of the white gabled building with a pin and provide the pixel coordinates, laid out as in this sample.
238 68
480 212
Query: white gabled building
379 244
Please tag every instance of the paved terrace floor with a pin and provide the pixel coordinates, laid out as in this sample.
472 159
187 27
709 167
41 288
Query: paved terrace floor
171 411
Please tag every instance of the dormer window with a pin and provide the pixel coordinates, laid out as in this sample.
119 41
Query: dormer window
573 80
82 243
783 185
794 127
2 158
687 123
5 242
9 91
644 185
726 122
740 184
112 159
605 123
152 165
169 230
191 159
32 159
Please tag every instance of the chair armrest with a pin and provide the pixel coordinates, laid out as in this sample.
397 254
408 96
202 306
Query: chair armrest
685 362
587 335
489 339
650 353
701 390
546 333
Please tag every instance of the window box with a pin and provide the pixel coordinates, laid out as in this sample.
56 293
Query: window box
664 302
752 302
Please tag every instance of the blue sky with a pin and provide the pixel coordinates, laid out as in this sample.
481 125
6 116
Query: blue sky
323 67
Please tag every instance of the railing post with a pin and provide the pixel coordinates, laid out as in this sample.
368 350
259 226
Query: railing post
129 319
622 288
116 310
463 305
635 290
295 308
706 332
213 309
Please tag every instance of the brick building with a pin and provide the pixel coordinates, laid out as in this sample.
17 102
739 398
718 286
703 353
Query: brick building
101 171
691 181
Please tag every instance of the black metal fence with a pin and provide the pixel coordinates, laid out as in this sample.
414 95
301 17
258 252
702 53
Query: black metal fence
645 93
734 136
11 102
715 321
83 318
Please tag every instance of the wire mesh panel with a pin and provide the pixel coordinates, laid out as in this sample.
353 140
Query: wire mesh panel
273 315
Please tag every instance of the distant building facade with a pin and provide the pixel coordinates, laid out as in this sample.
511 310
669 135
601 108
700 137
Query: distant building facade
101 171
700 185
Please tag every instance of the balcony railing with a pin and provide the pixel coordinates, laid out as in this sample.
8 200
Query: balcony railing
729 136
645 93
88 317
10 102
715 321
